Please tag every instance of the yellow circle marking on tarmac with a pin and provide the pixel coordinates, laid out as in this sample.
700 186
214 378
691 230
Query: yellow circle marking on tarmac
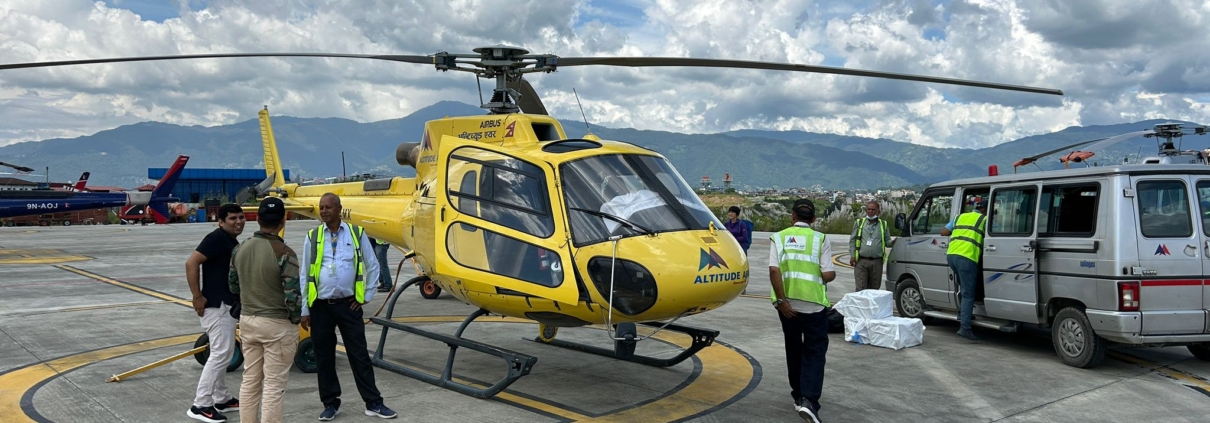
16 383
14 256
726 375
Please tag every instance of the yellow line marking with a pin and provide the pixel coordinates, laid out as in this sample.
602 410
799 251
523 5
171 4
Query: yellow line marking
14 384
131 287
1159 368
836 260
39 256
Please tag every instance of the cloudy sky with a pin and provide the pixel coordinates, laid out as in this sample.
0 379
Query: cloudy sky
1116 60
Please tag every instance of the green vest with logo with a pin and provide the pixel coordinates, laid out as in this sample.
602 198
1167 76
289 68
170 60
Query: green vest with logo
861 228
317 253
967 238
799 261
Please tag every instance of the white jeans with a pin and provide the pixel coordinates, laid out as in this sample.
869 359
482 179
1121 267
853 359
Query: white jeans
220 327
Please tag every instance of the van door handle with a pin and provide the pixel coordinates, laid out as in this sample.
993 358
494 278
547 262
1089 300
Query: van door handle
991 248
1027 249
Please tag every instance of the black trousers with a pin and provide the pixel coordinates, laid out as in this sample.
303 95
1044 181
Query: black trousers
806 352
325 318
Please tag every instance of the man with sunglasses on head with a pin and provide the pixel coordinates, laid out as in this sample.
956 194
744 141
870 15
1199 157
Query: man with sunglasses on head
339 273
212 300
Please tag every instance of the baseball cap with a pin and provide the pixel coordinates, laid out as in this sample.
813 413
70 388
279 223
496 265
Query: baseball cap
272 208
980 204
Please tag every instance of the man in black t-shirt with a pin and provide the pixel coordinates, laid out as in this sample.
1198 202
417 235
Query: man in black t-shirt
212 300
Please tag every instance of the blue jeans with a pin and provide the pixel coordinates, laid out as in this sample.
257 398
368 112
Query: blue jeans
384 268
967 273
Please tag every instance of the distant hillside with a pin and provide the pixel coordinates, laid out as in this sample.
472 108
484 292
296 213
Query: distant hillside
312 148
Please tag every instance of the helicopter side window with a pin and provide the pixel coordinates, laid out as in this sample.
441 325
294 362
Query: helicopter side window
1164 209
510 192
482 249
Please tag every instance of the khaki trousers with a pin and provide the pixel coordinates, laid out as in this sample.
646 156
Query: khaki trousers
867 274
268 346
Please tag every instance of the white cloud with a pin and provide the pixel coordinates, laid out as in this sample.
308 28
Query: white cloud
1117 60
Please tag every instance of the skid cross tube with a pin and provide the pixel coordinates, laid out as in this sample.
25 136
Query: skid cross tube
518 364
702 338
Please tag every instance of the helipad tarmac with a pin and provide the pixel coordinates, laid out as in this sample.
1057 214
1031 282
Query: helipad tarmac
79 304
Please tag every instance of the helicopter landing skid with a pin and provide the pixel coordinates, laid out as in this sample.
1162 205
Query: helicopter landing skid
518 364
624 350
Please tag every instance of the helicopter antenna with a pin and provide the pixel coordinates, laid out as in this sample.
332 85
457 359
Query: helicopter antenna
586 127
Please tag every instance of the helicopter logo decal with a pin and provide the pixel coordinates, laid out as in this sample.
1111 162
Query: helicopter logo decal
426 144
711 260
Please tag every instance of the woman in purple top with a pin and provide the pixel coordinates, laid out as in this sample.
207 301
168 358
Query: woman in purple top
739 228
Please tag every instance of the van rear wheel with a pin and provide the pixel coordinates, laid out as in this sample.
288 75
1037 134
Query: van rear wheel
1201 351
909 301
1074 340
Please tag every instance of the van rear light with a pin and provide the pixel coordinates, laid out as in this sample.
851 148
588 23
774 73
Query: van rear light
1128 296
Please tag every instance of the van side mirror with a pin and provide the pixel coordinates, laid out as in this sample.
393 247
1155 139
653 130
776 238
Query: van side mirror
901 223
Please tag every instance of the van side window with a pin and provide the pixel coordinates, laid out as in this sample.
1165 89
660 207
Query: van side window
1203 199
1164 209
933 213
1012 211
1069 211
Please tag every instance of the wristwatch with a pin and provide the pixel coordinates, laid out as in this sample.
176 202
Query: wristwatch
777 303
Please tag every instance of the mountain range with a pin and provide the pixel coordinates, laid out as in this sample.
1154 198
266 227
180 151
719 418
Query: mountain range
312 147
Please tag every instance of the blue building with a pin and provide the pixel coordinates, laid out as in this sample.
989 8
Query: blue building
197 185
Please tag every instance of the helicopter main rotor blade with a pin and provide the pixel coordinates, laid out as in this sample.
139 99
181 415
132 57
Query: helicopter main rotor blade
428 60
1116 139
746 64
529 101
1035 158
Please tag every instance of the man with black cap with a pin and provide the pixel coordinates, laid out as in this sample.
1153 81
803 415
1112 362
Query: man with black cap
963 256
799 270
264 273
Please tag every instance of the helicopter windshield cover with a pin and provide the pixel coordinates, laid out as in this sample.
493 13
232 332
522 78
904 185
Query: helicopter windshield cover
643 190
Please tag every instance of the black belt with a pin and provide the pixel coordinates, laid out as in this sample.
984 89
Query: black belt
870 258
335 300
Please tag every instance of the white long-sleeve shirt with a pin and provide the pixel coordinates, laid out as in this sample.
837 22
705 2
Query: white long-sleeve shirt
337 271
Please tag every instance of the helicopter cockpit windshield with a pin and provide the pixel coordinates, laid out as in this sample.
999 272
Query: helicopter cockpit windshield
629 194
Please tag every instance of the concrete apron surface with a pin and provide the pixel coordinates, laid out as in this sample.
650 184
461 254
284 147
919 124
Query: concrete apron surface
79 304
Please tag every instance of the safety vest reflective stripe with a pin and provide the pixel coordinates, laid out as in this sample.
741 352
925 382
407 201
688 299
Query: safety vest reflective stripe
799 257
967 238
796 256
317 236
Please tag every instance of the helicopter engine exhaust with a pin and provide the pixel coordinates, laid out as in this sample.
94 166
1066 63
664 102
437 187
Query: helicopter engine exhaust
407 153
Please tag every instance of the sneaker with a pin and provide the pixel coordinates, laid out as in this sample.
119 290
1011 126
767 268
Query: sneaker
329 413
808 412
968 335
384 289
378 409
229 406
206 414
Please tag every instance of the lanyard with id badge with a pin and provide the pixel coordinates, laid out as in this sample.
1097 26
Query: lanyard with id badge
332 264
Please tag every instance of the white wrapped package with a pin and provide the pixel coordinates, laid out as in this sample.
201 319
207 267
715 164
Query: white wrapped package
856 331
892 332
866 304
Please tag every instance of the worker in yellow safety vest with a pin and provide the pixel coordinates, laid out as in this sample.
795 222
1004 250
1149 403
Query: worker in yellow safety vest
339 275
867 248
799 269
963 256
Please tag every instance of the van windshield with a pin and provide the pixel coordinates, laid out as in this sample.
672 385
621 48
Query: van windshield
627 195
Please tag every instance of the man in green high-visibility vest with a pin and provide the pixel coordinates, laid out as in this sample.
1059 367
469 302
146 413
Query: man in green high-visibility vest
965 250
799 269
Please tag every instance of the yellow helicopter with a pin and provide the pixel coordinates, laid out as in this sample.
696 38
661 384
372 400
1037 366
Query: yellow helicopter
508 214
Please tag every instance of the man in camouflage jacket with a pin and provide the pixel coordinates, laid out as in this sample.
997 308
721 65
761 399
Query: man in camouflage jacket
264 273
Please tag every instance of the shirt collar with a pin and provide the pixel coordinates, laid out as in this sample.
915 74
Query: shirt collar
259 234
802 224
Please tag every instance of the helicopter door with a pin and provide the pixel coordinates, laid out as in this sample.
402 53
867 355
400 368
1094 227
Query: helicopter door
495 224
